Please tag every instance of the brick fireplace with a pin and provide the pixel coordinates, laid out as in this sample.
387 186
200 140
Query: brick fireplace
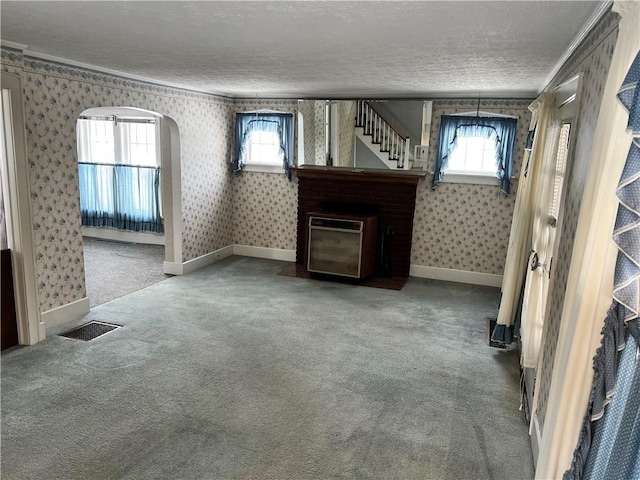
390 195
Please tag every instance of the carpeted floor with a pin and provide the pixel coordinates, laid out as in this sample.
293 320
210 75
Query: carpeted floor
114 269
234 371
300 271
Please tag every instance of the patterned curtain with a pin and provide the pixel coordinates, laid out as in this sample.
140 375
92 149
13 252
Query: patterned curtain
614 450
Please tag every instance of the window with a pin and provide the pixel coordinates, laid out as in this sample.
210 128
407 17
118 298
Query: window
264 142
138 144
263 148
119 173
477 148
473 155
125 141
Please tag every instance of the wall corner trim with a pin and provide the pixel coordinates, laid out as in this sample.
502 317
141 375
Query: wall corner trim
460 276
173 268
265 252
65 313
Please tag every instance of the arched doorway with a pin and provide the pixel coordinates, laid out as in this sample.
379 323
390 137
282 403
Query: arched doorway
129 175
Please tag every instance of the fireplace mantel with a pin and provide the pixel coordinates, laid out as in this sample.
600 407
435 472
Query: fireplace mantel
411 177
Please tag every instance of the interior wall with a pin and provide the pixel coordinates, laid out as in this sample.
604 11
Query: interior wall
55 94
346 133
462 226
458 226
592 58
307 109
265 204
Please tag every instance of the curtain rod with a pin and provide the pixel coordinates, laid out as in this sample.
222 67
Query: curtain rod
117 119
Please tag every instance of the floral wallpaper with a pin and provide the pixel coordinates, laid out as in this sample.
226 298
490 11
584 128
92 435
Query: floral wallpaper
265 204
592 59
306 109
346 133
320 135
54 96
462 226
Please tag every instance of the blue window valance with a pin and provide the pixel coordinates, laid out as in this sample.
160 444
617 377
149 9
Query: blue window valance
246 123
501 130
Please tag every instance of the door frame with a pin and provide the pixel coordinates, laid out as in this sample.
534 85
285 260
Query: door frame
31 330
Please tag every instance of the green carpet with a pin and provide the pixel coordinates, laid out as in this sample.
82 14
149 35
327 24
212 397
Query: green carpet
237 372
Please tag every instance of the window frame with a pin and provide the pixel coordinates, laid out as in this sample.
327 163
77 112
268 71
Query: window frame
263 167
474 177
119 139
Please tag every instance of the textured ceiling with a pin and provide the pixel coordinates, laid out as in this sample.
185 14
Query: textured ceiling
311 49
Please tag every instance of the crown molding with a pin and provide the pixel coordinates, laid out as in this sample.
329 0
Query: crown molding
598 13
14 45
117 73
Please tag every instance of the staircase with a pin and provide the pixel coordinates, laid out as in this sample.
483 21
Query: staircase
393 149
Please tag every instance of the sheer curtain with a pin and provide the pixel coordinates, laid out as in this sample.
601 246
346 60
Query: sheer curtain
120 196
590 283
542 110
537 281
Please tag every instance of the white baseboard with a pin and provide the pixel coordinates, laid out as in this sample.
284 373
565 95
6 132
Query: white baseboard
172 268
123 236
460 276
176 268
264 252
65 313
536 437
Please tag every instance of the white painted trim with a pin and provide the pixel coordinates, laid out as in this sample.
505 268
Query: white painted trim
470 178
172 268
204 260
14 45
122 236
65 313
265 252
176 268
536 437
19 221
262 168
117 73
598 13
460 276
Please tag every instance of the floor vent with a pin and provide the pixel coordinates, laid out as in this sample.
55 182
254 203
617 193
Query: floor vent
90 330
491 324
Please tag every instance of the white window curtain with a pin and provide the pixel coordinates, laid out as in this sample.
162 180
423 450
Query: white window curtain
590 283
542 110
537 282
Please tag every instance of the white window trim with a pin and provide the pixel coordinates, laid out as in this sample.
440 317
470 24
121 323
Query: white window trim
263 168
474 179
